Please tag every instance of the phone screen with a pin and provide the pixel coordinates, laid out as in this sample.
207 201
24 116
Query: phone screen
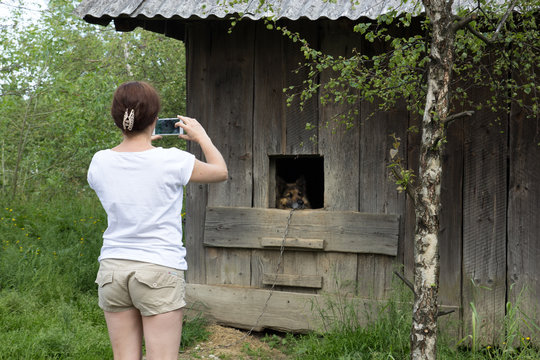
166 127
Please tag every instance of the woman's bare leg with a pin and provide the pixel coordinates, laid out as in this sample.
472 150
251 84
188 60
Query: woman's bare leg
125 331
162 335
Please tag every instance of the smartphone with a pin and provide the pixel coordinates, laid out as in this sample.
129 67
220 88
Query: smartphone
166 127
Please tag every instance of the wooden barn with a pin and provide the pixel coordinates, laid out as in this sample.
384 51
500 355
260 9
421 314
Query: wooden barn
253 265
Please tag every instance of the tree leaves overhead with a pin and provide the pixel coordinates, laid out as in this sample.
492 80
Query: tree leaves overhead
507 64
57 77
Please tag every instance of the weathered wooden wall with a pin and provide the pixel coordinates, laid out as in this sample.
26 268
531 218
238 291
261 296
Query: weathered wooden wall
489 244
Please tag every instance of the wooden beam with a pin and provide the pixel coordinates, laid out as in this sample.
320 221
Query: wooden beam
279 310
293 280
341 231
284 311
317 244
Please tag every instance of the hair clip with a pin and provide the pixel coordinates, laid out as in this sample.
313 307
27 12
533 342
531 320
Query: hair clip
129 119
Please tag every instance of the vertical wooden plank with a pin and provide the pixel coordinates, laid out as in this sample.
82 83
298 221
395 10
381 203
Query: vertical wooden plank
300 263
523 277
228 266
338 145
264 261
406 251
268 110
484 220
298 139
339 272
229 99
269 116
198 48
230 102
450 227
378 192
340 149
451 218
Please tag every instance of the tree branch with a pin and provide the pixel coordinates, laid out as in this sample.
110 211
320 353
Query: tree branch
463 22
408 189
411 286
442 312
404 279
503 20
453 117
481 36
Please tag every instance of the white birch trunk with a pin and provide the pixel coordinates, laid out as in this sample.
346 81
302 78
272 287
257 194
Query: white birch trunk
428 194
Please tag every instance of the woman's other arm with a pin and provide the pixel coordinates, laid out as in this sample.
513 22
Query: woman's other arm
215 168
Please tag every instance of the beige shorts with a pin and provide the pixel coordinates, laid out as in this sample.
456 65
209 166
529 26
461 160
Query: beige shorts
126 284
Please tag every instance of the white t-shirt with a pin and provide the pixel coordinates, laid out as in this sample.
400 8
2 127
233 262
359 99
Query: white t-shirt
142 195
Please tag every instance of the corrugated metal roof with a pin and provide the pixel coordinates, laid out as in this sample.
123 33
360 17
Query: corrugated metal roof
290 9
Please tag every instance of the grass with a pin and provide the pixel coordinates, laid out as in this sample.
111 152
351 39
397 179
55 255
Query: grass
48 299
386 335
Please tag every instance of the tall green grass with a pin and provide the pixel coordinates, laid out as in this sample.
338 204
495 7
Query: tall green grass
386 334
48 263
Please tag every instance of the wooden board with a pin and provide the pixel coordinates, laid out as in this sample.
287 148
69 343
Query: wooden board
302 263
484 222
293 280
264 261
340 147
197 44
451 218
260 309
523 219
297 140
269 112
308 244
229 98
339 271
413 158
342 231
280 310
378 193
338 143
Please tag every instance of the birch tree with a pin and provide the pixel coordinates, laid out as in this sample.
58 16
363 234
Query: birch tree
427 197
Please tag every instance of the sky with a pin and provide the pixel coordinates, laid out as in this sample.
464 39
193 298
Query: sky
32 9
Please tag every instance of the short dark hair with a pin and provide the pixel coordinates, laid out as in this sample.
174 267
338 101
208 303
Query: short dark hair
140 97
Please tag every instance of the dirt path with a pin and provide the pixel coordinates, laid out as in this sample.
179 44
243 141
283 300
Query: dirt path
233 344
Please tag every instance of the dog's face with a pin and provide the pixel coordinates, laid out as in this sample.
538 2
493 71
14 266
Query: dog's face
292 195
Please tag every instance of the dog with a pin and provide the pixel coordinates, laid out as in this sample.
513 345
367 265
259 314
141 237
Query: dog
292 195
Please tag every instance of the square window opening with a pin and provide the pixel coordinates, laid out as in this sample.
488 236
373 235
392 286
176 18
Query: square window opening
297 181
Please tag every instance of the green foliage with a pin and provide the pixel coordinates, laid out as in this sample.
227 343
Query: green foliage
404 177
515 341
505 61
57 80
507 64
48 255
194 330
57 77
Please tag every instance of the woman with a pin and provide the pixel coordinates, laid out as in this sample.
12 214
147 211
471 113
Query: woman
142 261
